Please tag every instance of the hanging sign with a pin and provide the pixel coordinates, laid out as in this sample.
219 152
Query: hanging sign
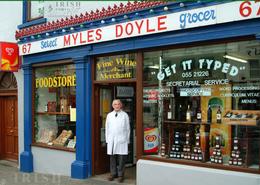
9 57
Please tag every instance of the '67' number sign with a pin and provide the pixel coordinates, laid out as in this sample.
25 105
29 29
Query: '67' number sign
246 10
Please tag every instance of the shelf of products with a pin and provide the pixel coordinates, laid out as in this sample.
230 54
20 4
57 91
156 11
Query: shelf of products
54 100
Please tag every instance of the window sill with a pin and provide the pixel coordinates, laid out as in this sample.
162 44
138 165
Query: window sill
54 147
201 164
32 23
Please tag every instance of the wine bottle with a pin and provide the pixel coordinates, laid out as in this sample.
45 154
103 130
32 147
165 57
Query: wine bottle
219 115
199 115
188 114
179 115
209 114
46 108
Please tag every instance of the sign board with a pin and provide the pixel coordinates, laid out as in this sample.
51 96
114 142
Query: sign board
9 57
205 16
124 91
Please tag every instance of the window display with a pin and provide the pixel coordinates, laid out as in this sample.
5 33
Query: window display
205 103
55 97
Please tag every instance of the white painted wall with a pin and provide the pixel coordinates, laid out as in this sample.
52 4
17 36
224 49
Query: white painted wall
54 162
10 18
154 173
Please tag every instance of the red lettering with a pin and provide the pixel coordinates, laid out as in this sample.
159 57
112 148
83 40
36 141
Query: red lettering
148 29
119 30
98 34
127 30
139 26
90 36
81 40
66 40
75 36
161 23
258 13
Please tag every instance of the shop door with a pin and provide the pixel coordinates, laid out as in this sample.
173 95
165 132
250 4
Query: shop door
102 106
104 96
9 127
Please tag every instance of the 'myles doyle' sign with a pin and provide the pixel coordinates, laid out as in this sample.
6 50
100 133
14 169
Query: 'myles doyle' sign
222 13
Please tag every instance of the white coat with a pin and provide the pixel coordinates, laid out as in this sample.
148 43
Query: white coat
117 133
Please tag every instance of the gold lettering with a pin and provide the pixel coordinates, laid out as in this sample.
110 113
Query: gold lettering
45 82
69 81
63 81
50 82
37 83
73 80
59 83
55 82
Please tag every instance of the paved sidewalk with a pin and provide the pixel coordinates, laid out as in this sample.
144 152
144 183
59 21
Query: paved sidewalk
10 175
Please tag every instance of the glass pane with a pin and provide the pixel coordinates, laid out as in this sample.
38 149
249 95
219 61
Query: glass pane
202 103
105 108
55 103
116 67
36 9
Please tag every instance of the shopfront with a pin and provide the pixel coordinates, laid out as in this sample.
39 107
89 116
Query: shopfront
189 81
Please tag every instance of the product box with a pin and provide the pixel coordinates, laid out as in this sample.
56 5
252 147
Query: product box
242 117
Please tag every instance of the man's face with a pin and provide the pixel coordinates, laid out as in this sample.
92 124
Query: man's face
117 105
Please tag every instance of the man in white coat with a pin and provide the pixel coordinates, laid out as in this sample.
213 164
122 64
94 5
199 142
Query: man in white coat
117 139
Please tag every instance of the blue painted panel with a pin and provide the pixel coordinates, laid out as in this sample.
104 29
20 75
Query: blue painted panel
88 95
26 157
82 167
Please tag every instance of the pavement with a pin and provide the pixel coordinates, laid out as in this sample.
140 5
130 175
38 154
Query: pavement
10 175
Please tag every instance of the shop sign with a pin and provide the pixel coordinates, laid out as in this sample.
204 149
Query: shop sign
9 57
57 81
197 91
124 91
119 68
222 13
204 66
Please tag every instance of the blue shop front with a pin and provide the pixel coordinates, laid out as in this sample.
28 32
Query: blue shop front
188 76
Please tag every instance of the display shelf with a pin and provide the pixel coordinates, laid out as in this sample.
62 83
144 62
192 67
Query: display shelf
185 122
53 113
242 117
43 145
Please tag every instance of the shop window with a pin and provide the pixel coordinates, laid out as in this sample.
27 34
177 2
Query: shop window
55 106
35 10
202 104
116 67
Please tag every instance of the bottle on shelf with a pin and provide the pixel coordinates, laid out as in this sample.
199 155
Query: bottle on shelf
217 156
198 115
62 108
179 115
209 119
236 155
46 108
188 114
218 115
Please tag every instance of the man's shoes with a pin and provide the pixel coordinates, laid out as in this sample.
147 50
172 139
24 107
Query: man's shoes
111 177
120 179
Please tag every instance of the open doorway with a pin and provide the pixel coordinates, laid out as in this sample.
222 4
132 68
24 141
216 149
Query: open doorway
103 96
